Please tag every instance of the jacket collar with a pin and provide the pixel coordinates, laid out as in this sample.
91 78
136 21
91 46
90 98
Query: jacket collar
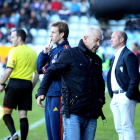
84 49
62 44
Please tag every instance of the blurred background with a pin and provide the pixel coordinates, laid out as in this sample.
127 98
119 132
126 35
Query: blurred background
35 17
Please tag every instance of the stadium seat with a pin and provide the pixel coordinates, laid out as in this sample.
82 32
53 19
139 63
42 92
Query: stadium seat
67 4
109 50
33 31
3 30
130 35
42 32
84 19
12 29
73 34
74 19
25 29
72 42
121 22
73 26
54 18
40 40
113 22
92 20
82 27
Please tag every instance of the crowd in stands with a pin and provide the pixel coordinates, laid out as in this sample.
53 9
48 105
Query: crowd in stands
132 25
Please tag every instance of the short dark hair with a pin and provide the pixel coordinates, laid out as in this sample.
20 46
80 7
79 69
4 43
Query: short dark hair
123 35
62 27
21 33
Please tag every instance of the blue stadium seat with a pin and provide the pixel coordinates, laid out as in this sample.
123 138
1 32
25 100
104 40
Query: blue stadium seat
82 27
113 22
42 32
54 18
73 34
3 30
92 20
67 4
33 31
40 40
74 19
84 19
73 26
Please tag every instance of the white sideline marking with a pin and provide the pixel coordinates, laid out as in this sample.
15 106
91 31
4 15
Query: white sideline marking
32 126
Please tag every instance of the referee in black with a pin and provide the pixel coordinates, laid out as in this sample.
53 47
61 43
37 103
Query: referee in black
20 67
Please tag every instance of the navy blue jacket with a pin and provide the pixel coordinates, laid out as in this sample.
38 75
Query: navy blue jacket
127 74
55 88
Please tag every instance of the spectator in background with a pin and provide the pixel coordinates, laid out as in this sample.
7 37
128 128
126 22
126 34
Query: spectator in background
43 22
23 19
3 20
83 8
27 9
75 9
6 10
45 6
55 5
36 5
135 48
8 35
1 36
33 21
1 3
16 6
29 37
64 13
129 25
13 20
136 24
107 36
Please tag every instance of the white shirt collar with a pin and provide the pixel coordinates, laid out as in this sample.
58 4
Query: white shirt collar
117 53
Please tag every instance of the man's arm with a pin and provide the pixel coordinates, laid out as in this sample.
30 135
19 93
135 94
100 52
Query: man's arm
43 58
132 65
61 64
7 73
35 79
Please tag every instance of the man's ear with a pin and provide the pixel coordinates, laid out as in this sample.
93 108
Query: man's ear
62 34
84 38
121 39
19 38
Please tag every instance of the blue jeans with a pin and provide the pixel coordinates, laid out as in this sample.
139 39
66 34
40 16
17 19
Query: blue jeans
79 128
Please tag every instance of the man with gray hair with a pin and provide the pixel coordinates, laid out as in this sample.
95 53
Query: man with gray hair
83 86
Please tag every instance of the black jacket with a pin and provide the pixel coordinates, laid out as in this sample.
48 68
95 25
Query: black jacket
82 81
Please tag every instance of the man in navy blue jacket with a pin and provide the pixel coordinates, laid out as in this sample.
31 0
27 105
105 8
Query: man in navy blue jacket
59 34
123 82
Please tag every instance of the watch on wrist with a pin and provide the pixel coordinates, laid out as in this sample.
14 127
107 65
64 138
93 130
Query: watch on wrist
3 84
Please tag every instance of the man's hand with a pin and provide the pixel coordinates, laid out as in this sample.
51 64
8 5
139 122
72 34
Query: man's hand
39 99
48 47
1 88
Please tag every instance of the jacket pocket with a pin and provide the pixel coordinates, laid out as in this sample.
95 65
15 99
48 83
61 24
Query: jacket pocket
81 68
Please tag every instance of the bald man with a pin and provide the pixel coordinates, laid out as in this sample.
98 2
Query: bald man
83 86
123 82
